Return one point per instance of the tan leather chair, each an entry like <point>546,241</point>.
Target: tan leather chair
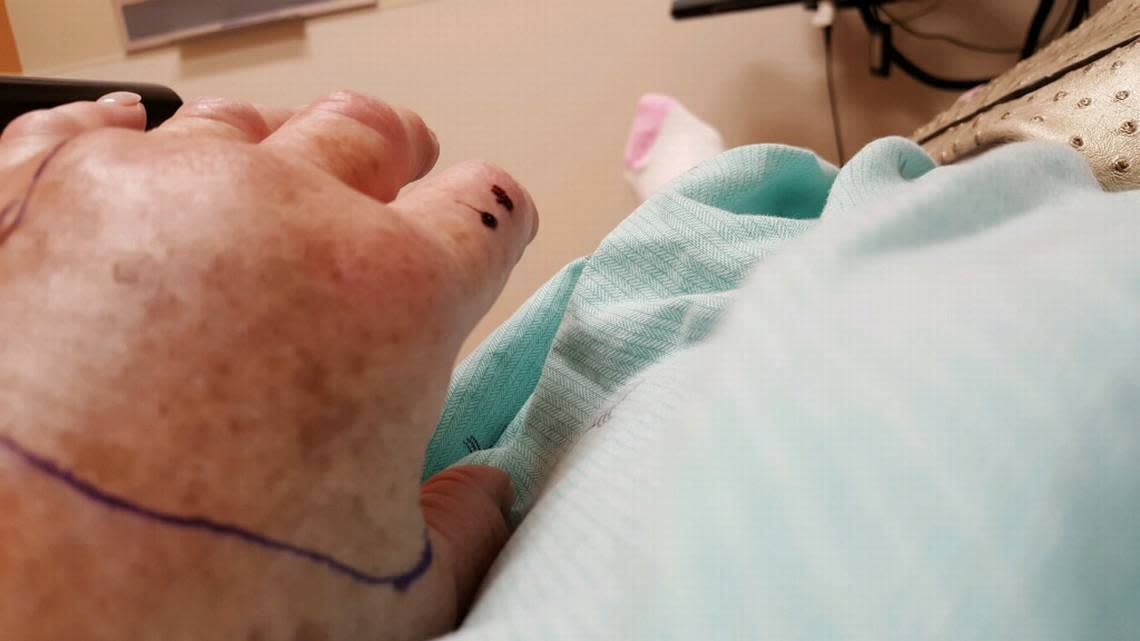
<point>1082,90</point>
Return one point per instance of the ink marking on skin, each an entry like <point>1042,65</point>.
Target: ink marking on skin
<point>6,231</point>
<point>4,212</point>
<point>502,197</point>
<point>400,582</point>
<point>487,217</point>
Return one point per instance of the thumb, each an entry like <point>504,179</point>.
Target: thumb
<point>464,508</point>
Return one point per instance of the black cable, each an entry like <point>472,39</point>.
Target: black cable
<point>831,96</point>
<point>904,24</point>
<point>882,30</point>
<point>1077,10</point>
<point>1072,8</point>
<point>930,8</point>
<point>1082,11</point>
<point>1044,8</point>
<point>938,82</point>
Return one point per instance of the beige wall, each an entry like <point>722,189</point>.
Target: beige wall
<point>544,87</point>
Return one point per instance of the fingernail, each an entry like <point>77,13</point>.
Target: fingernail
<point>122,98</point>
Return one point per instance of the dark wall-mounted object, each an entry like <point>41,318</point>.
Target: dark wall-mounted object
<point>697,8</point>
<point>149,23</point>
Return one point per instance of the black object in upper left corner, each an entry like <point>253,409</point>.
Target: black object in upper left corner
<point>19,95</point>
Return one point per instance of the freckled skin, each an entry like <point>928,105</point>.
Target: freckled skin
<point>235,334</point>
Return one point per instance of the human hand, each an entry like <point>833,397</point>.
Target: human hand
<point>224,345</point>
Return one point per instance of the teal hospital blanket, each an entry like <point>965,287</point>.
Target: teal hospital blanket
<point>893,402</point>
<point>656,284</point>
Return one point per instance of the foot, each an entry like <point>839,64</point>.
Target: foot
<point>664,142</point>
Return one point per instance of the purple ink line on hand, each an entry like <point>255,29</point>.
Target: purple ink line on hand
<point>5,232</point>
<point>4,213</point>
<point>400,582</point>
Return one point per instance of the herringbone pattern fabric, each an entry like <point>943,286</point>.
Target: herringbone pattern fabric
<point>658,283</point>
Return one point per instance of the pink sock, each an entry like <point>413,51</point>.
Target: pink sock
<point>665,141</point>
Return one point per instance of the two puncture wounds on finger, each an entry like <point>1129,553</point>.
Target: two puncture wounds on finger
<point>503,199</point>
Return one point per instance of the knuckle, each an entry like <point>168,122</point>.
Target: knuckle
<point>91,160</point>
<point>209,166</point>
<point>412,120</point>
<point>370,112</point>
<point>236,113</point>
<point>39,121</point>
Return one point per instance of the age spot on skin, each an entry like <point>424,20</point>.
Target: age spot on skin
<point>125,273</point>
<point>133,269</point>
<point>310,632</point>
<point>502,198</point>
